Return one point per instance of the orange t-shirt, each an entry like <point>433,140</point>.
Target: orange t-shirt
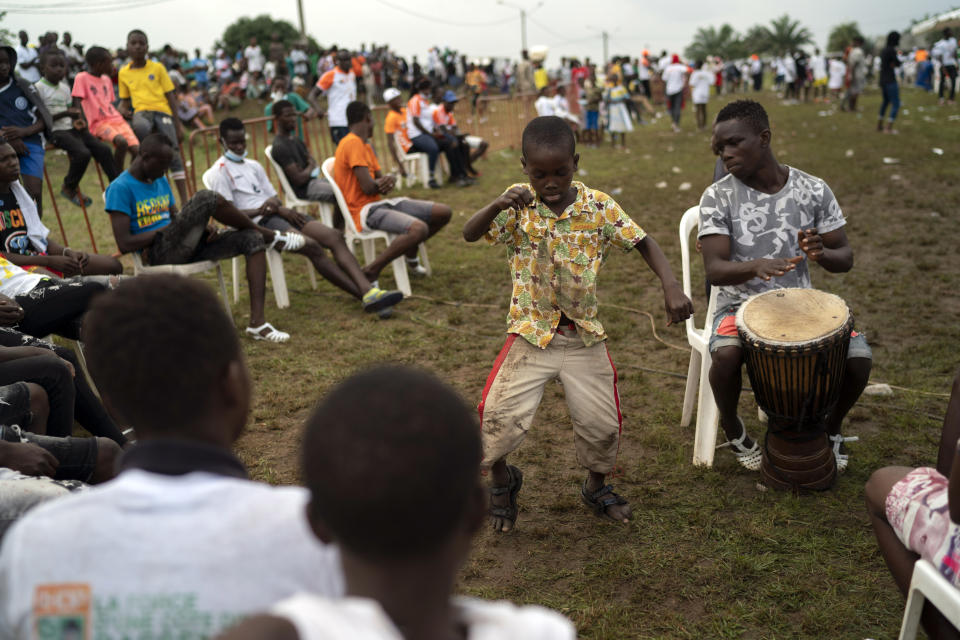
<point>442,116</point>
<point>357,63</point>
<point>354,152</point>
<point>396,125</point>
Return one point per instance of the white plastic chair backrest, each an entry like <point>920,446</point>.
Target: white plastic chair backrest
<point>288,191</point>
<point>327,169</point>
<point>689,222</point>
<point>208,177</point>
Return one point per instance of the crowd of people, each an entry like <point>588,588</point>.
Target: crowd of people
<point>340,555</point>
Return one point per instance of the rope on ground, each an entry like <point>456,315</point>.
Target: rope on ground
<point>453,303</point>
<point>653,324</point>
<point>926,393</point>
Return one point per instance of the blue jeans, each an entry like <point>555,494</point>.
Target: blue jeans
<point>891,96</point>
<point>428,145</point>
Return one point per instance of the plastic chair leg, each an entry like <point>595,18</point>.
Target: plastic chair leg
<point>278,278</point>
<point>312,274</point>
<point>424,171</point>
<point>326,213</point>
<point>425,259</point>
<point>235,264</point>
<point>369,251</point>
<point>693,383</point>
<point>928,584</point>
<point>708,418</point>
<point>401,276</point>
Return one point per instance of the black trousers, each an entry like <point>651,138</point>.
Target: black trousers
<point>57,306</point>
<point>80,147</point>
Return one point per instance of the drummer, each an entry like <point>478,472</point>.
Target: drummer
<point>760,228</point>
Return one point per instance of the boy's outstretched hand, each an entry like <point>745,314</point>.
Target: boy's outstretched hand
<point>516,198</point>
<point>678,305</point>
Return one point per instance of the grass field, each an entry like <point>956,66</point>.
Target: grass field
<point>708,554</point>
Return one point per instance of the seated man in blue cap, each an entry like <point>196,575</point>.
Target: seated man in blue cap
<point>470,148</point>
<point>444,132</point>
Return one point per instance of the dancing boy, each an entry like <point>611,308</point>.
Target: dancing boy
<point>760,227</point>
<point>558,232</point>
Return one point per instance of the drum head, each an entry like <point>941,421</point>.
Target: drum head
<point>788,316</point>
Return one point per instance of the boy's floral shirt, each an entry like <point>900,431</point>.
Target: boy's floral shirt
<point>555,261</point>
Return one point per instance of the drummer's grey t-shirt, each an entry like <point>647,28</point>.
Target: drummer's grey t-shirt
<point>764,225</point>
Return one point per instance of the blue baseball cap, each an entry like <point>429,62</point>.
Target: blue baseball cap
<point>450,96</point>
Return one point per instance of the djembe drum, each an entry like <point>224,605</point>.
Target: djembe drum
<point>795,348</point>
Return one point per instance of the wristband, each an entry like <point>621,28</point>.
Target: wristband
<point>315,172</point>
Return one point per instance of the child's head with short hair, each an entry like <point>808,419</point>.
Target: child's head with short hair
<point>357,113</point>
<point>749,111</point>
<point>159,347</point>
<point>549,157</point>
<point>54,65</point>
<point>99,61</point>
<point>392,458</point>
<point>137,45</point>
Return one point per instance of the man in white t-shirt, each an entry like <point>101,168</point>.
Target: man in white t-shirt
<point>818,66</point>
<point>946,51</point>
<point>28,63</point>
<point>254,56</point>
<point>404,536</point>
<point>675,78</point>
<point>340,86</point>
<point>181,543</point>
<point>700,82</point>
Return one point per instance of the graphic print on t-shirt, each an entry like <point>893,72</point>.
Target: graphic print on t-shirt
<point>13,228</point>
<point>62,612</point>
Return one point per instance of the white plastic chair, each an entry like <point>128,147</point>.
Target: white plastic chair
<point>416,164</point>
<point>368,237</point>
<point>928,584</point>
<point>698,372</point>
<point>274,264</point>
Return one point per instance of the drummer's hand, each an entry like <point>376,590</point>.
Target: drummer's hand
<point>811,243</point>
<point>767,268</point>
<point>678,305</point>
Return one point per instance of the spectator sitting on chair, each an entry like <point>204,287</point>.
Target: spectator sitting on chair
<point>144,218</point>
<point>22,119</point>
<point>420,127</point>
<point>69,130</point>
<point>340,86</point>
<point>244,183</point>
<point>915,514</point>
<point>24,239</point>
<point>93,93</point>
<point>166,358</point>
<point>395,126</point>
<point>444,118</point>
<point>357,173</point>
<point>447,141</point>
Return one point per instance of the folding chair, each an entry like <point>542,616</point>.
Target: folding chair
<point>274,264</point>
<point>368,237</point>
<point>928,584</point>
<point>698,372</point>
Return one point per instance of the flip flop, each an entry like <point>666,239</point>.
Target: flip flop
<point>77,198</point>
<point>512,488</point>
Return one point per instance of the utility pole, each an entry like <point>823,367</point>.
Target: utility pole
<point>606,42</point>
<point>303,29</point>
<point>523,29</point>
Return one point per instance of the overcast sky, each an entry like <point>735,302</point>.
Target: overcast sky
<point>566,26</point>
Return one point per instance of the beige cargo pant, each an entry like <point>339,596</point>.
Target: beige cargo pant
<point>515,387</point>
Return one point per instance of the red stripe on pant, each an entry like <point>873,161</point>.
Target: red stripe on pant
<point>493,374</point>
<point>616,397</point>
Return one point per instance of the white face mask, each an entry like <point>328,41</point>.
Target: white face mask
<point>230,155</point>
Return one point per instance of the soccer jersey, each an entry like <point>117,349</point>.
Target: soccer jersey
<point>245,184</point>
<point>419,109</point>
<point>96,95</point>
<point>340,89</point>
<point>146,87</point>
<point>17,110</point>
<point>354,152</point>
<point>15,281</point>
<point>146,204</point>
<point>56,97</point>
<point>443,117</point>
<point>765,225</point>
<point>396,125</point>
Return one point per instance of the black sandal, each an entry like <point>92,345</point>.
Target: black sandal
<point>601,500</point>
<point>512,489</point>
